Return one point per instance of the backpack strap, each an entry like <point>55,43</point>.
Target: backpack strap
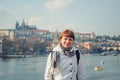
<point>77,56</point>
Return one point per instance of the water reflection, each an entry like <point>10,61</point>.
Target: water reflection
<point>33,68</point>
<point>111,67</point>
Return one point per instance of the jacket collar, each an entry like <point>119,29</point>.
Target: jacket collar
<point>69,52</point>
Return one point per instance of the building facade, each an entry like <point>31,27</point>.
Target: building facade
<point>7,34</point>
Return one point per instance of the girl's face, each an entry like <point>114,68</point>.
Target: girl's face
<point>66,42</point>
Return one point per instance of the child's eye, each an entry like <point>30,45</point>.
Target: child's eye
<point>65,38</point>
<point>70,39</point>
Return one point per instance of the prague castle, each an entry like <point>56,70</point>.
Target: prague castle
<point>24,26</point>
<point>25,30</point>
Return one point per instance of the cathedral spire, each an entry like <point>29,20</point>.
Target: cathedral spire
<point>23,23</point>
<point>17,25</point>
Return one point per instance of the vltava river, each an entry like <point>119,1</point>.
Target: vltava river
<point>34,68</point>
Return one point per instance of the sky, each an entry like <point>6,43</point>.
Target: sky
<point>83,16</point>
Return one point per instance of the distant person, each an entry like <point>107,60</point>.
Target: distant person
<point>65,62</point>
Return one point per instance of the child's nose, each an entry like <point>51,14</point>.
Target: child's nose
<point>68,40</point>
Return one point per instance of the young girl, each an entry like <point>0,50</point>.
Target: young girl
<point>66,67</point>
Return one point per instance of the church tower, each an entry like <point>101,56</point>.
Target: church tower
<point>17,25</point>
<point>23,23</point>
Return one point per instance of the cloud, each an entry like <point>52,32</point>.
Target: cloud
<point>36,20</point>
<point>4,12</point>
<point>57,4</point>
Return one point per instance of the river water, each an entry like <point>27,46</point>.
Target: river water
<point>34,68</point>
